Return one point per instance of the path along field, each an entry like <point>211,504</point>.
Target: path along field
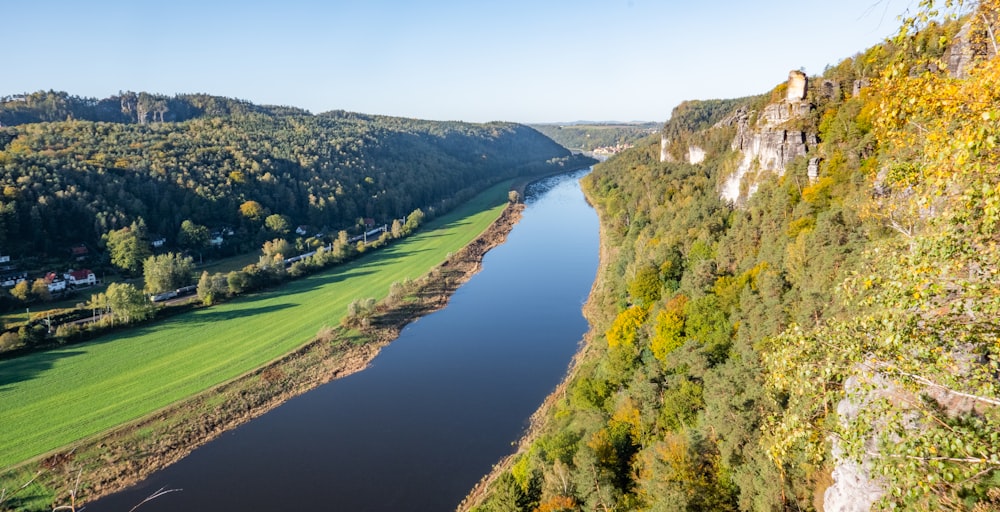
<point>51,399</point>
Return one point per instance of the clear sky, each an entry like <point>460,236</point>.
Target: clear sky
<point>471,60</point>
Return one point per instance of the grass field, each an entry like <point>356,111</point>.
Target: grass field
<point>51,399</point>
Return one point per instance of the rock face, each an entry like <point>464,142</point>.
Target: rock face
<point>858,85</point>
<point>813,170</point>
<point>696,155</point>
<point>664,154</point>
<point>797,82</point>
<point>853,490</point>
<point>767,146</point>
<point>960,54</point>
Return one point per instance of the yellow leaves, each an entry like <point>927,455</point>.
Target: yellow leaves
<point>625,327</point>
<point>801,225</point>
<point>557,504</point>
<point>627,413</point>
<point>669,330</point>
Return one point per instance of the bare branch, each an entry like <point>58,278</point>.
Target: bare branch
<point>927,382</point>
<point>966,460</point>
<point>989,30</point>
<point>151,497</point>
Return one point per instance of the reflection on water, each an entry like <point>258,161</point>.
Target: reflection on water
<point>438,407</point>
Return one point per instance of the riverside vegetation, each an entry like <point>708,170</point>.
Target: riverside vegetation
<point>739,355</point>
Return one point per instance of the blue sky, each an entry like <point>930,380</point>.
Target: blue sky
<point>475,60</point>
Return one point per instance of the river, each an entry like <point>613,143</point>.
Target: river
<point>437,407</point>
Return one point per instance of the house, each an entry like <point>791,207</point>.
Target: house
<point>302,230</point>
<point>158,241</point>
<point>368,222</point>
<point>83,277</point>
<point>216,239</point>
<point>9,278</point>
<point>79,252</point>
<point>55,283</point>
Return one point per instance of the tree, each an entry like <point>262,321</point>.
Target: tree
<point>192,236</point>
<point>129,246</point>
<point>237,282</point>
<point>21,291</point>
<point>626,326</point>
<point>40,290</point>
<point>127,303</point>
<point>212,287</point>
<point>276,249</point>
<point>646,286</point>
<point>413,221</point>
<point>167,272</point>
<point>397,228</point>
<point>669,330</point>
<point>277,223</point>
<point>252,210</point>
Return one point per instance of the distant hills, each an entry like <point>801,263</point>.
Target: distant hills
<point>590,136</point>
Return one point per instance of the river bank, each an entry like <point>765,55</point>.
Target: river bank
<point>115,460</point>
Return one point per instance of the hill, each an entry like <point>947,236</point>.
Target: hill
<point>227,165</point>
<point>597,136</point>
<point>798,297</point>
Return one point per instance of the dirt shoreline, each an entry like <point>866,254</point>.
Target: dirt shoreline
<point>116,460</point>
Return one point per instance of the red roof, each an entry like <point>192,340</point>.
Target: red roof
<point>79,250</point>
<point>80,275</point>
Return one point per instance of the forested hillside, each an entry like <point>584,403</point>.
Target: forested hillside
<point>74,169</point>
<point>832,330</point>
<point>588,137</point>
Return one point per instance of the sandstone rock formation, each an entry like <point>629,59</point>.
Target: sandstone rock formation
<point>858,85</point>
<point>696,155</point>
<point>767,146</point>
<point>812,171</point>
<point>797,82</point>
<point>664,153</point>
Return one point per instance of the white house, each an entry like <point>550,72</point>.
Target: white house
<point>81,277</point>
<point>54,283</point>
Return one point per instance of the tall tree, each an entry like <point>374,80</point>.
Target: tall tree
<point>127,303</point>
<point>129,246</point>
<point>192,236</point>
<point>167,272</point>
<point>278,223</point>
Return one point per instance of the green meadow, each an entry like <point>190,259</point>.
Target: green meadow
<point>54,398</point>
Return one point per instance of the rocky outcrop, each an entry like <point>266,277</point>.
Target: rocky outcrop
<point>797,82</point>
<point>853,489</point>
<point>768,144</point>
<point>664,149</point>
<point>858,85</point>
<point>976,40</point>
<point>812,170</point>
<point>696,155</point>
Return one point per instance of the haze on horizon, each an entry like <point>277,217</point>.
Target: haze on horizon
<point>517,60</point>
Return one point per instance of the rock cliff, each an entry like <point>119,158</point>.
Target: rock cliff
<point>768,143</point>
